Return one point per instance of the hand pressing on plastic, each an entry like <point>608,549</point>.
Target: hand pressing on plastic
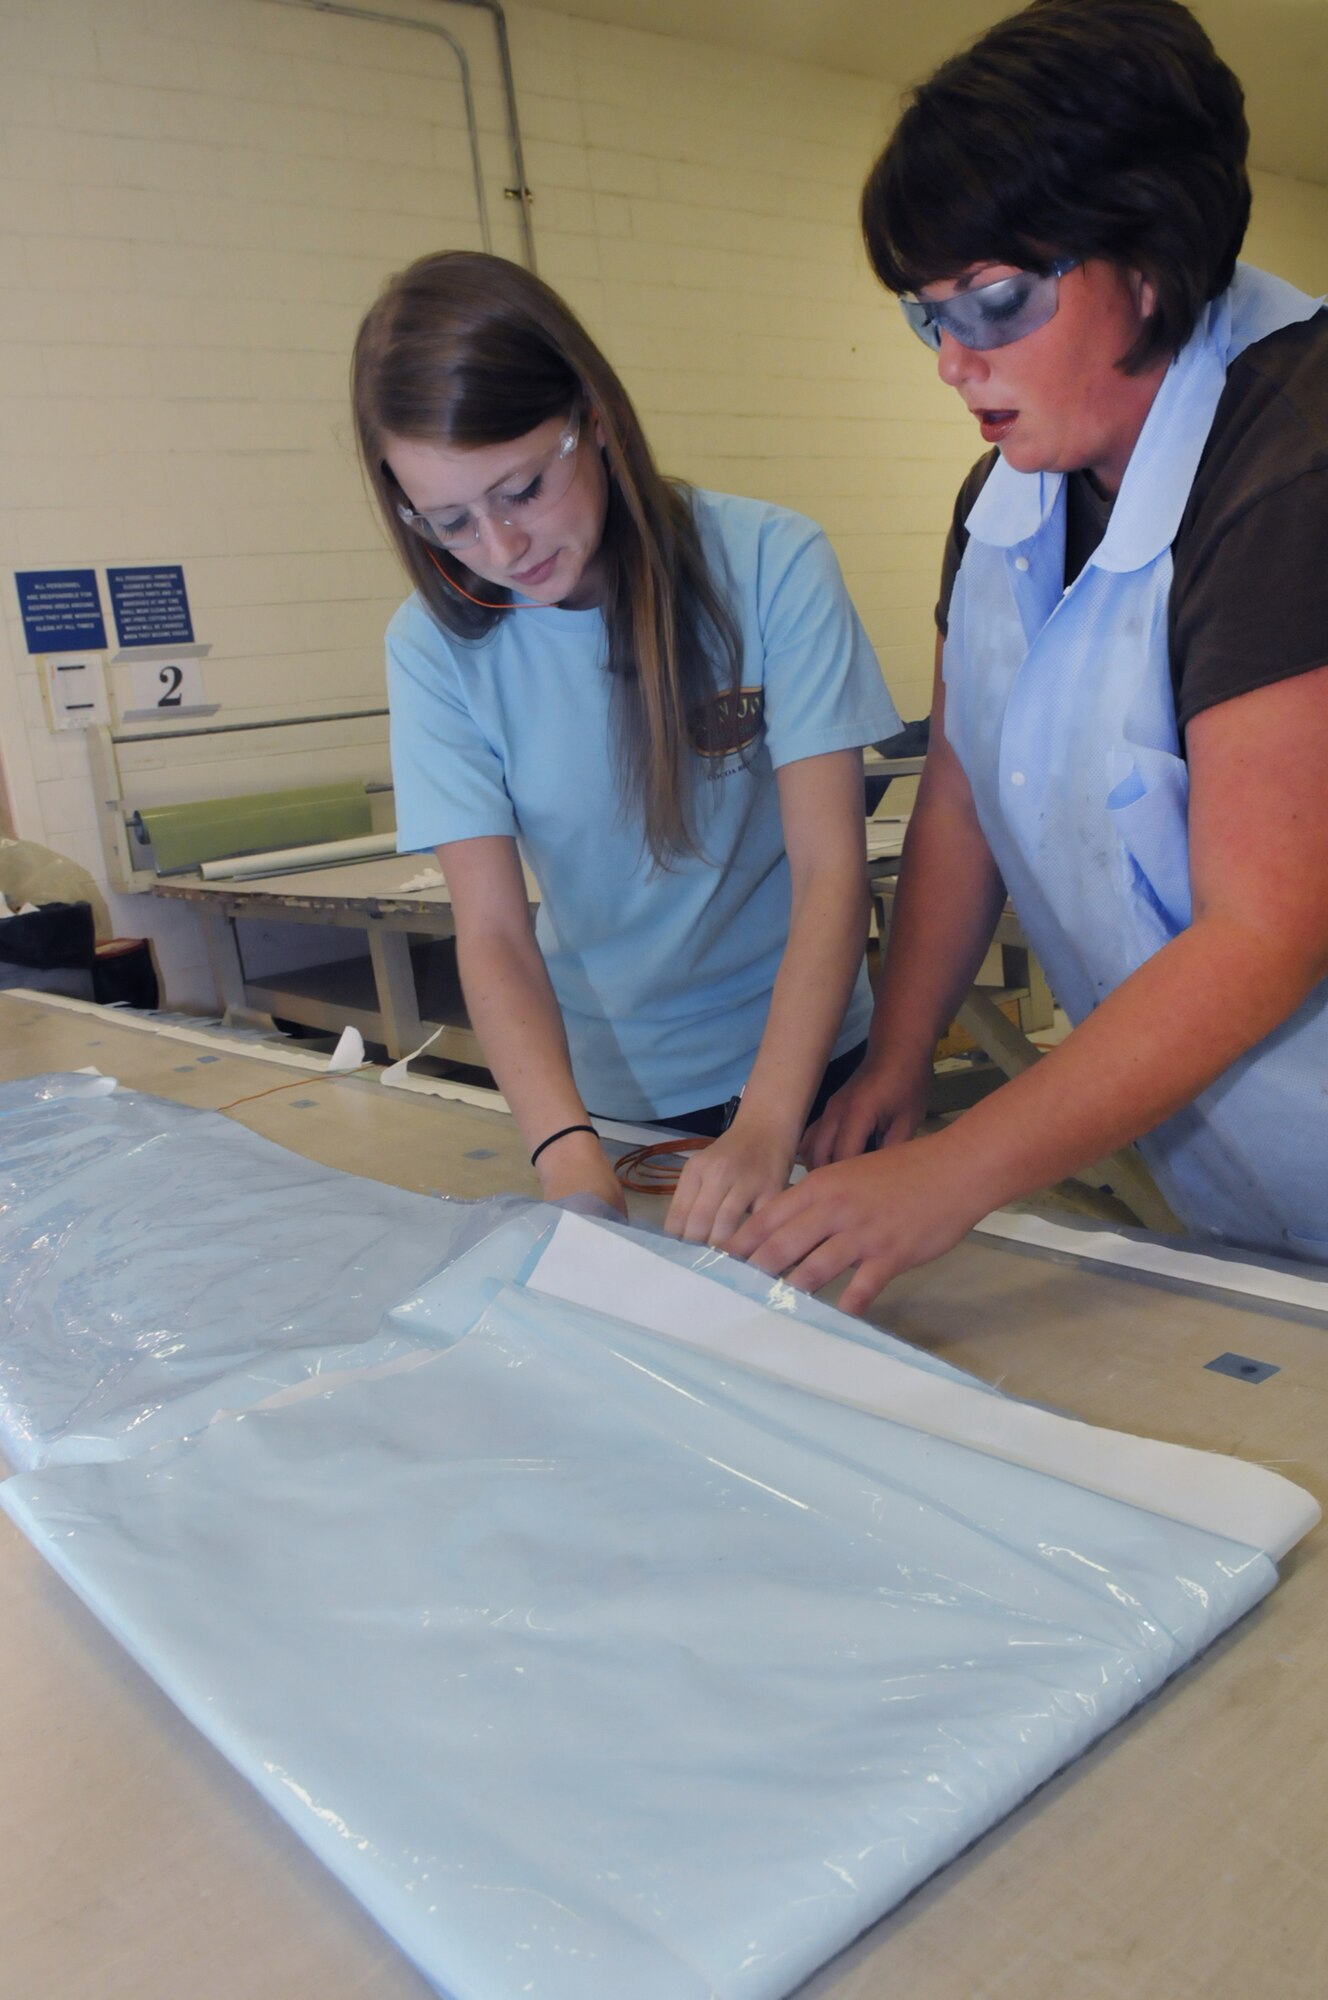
<point>876,1216</point>
<point>577,1165</point>
<point>881,1100</point>
<point>734,1176</point>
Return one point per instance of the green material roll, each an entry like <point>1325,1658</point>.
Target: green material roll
<point>182,836</point>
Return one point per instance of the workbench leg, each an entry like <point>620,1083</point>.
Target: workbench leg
<point>1021,973</point>
<point>1124,1172</point>
<point>394,980</point>
<point>227,968</point>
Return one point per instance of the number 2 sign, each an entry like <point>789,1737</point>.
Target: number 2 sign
<point>168,688</point>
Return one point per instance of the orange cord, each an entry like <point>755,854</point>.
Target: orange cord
<point>654,1169</point>
<point>315,1076</point>
<point>483,602</point>
<point>657,1169</point>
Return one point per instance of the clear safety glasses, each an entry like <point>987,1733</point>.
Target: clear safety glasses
<point>989,315</point>
<point>459,527</point>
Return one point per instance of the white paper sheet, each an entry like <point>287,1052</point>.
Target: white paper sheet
<point>596,1268</point>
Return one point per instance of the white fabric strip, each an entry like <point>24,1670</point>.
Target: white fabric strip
<point>1168,1260</point>
<point>293,1058</point>
<point>596,1268</point>
<point>215,1039</point>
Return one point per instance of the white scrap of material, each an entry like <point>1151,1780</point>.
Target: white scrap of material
<point>349,1051</point>
<point>394,1076</point>
<point>591,1267</point>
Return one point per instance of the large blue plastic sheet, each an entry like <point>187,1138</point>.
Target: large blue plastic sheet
<point>597,1667</point>
<point>158,1263</point>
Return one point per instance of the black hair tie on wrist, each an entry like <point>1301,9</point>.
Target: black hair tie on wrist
<point>555,1136</point>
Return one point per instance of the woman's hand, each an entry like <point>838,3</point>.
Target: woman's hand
<point>881,1100</point>
<point>577,1165</point>
<point>513,1011</point>
<point>734,1176</point>
<point>877,1216</point>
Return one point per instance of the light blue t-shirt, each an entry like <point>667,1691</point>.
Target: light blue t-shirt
<point>663,976</point>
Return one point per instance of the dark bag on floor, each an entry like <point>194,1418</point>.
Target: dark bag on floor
<point>56,935</point>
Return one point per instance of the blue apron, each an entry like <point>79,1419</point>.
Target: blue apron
<point>1059,706</point>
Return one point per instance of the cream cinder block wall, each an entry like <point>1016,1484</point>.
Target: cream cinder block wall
<point>199,197</point>
<point>1289,231</point>
<point>723,269</point>
<point>198,200</point>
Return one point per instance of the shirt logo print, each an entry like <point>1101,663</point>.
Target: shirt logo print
<point>727,724</point>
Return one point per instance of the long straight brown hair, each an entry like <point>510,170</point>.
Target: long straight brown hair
<point>463,349</point>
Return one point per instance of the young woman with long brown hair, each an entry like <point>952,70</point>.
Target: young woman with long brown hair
<point>661,695</point>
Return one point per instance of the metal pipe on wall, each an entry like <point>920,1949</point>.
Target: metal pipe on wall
<point>235,728</point>
<point>522,192</point>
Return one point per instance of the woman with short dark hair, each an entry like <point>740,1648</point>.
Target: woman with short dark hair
<point>1130,723</point>
<point>662,694</point>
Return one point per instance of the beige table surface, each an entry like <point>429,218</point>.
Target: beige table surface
<point>1179,1858</point>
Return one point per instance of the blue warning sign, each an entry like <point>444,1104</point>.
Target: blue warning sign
<point>151,606</point>
<point>61,610</point>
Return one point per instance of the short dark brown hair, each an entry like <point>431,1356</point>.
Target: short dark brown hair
<point>1081,128</point>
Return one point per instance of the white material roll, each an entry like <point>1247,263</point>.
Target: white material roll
<point>285,860</point>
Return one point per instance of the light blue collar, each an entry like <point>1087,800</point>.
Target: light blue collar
<point>1013,506</point>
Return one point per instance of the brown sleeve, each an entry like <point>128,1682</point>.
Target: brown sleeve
<point>1251,608</point>
<point>956,540</point>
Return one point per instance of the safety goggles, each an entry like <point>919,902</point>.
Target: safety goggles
<point>990,315</point>
<point>459,527</point>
